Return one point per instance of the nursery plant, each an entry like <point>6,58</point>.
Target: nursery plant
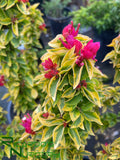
<point>102,15</point>
<point>59,128</point>
<point>21,25</point>
<point>54,8</point>
<point>57,14</point>
<point>112,151</point>
<point>73,86</point>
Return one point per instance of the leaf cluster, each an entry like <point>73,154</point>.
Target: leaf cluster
<point>19,28</point>
<point>55,8</point>
<point>102,15</point>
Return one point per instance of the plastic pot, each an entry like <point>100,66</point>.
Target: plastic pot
<point>10,115</point>
<point>105,38</point>
<point>57,24</point>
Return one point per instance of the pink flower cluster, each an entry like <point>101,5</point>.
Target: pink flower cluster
<point>49,66</point>
<point>69,33</point>
<point>2,80</point>
<point>42,27</point>
<point>87,52</point>
<point>26,123</point>
<point>24,1</point>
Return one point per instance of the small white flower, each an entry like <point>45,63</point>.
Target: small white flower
<point>24,118</point>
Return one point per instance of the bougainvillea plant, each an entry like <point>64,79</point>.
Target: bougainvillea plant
<point>112,151</point>
<point>74,94</point>
<point>19,42</point>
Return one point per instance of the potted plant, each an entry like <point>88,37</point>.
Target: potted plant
<point>21,27</point>
<point>58,14</point>
<point>104,17</point>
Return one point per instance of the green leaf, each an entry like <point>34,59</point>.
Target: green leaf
<point>78,122</point>
<point>63,82</point>
<point>68,56</point>
<point>109,56</point>
<point>63,154</point>
<point>70,78</point>
<point>3,3</point>
<point>47,133</point>
<point>5,96</point>
<point>49,122</point>
<point>85,153</point>
<point>93,117</point>
<point>89,64</point>
<point>91,94</point>
<point>24,109</point>
<point>114,156</point>
<point>2,14</point>
<point>52,88</point>
<point>9,36</point>
<point>29,80</point>
<point>10,4</point>
<point>74,135</point>
<point>15,28</point>
<point>61,104</point>
<point>5,21</point>
<point>77,71</point>
<point>67,65</point>
<point>21,60</point>
<point>69,93</point>
<point>74,114</point>
<point>14,92</point>
<point>57,135</point>
<point>88,126</point>
<point>75,100</point>
<point>34,93</point>
<point>7,151</point>
<point>15,42</point>
<point>68,107</point>
<point>76,157</point>
<point>117,76</point>
<point>22,8</point>
<point>58,98</point>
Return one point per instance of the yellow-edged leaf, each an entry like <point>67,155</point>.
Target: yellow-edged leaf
<point>89,64</point>
<point>93,117</point>
<point>69,93</point>
<point>3,3</point>
<point>5,96</point>
<point>109,56</point>
<point>34,93</point>
<point>68,55</point>
<point>63,154</point>
<point>74,135</point>
<point>56,43</point>
<point>88,126</point>
<point>77,71</point>
<point>74,114</point>
<point>57,135</point>
<point>7,151</point>
<point>47,133</point>
<point>10,4</point>
<point>22,7</point>
<point>67,65</point>
<point>78,122</point>
<point>91,94</point>
<point>63,82</point>
<point>24,135</point>
<point>15,28</point>
<point>49,123</point>
<point>52,88</point>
